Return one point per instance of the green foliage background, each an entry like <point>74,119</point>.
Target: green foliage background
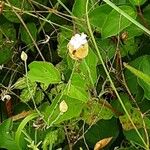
<point>106,94</point>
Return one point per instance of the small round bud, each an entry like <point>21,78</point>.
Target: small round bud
<point>63,107</point>
<point>24,56</point>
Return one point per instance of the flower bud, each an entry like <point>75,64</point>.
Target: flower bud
<point>24,56</point>
<point>63,107</point>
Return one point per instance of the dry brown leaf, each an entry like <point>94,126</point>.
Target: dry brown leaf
<point>102,143</point>
<point>22,115</point>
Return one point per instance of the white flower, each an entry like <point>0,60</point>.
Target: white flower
<point>78,40</point>
<point>63,107</point>
<point>78,46</point>
<point>24,56</point>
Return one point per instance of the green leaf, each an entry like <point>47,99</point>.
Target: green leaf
<point>137,119</point>
<point>131,79</point>
<point>139,74</point>
<point>28,93</point>
<point>6,140</point>
<point>7,30</point>
<point>132,136</point>
<point>88,67</point>
<point>21,83</point>
<point>6,52</point>
<point>116,23</point>
<point>79,8</point>
<point>144,76</point>
<point>117,106</point>
<point>96,110</point>
<point>78,93</point>
<point>99,15</point>
<point>53,137</point>
<point>38,97</point>
<point>25,37</point>
<point>63,38</point>
<point>22,126</point>
<point>74,109</point>
<point>130,47</point>
<point>102,130</point>
<point>7,40</point>
<point>137,2</point>
<point>43,72</point>
<point>133,31</point>
<point>78,80</point>
<point>146,13</point>
<point>23,5</point>
<point>107,48</point>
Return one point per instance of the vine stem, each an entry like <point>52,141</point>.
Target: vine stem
<point>67,87</point>
<point>26,28</point>
<point>35,16</point>
<point>89,72</point>
<point>107,73</point>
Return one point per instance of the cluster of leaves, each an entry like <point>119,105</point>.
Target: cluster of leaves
<point>107,103</point>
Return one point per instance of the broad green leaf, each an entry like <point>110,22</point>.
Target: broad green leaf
<point>117,106</point>
<point>133,31</point>
<point>38,97</point>
<point>23,5</point>
<point>6,52</point>
<point>88,67</point>
<point>137,2</point>
<point>137,119</point>
<point>146,13</point>
<point>28,93</point>
<point>22,125</point>
<point>131,79</point>
<point>8,31</point>
<point>21,83</point>
<point>139,74</point>
<point>79,8</point>
<point>7,40</point>
<point>43,72</point>
<point>131,43</point>
<point>115,22</point>
<point>96,110</point>
<point>129,47</point>
<point>78,80</point>
<point>63,38</point>
<point>25,37</point>
<point>78,93</point>
<point>99,15</point>
<point>74,109</point>
<point>6,139</point>
<point>107,48</point>
<point>102,129</point>
<point>144,76</point>
<point>53,138</point>
<point>132,136</point>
